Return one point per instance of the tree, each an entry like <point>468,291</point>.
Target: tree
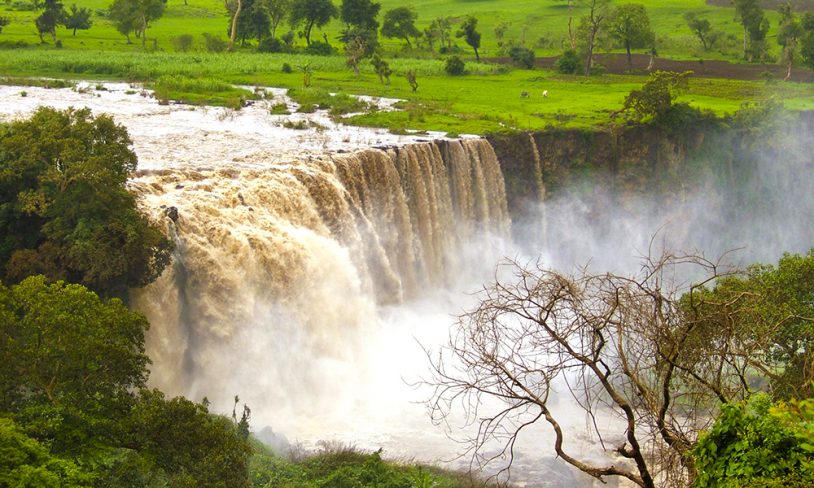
<point>78,18</point>
<point>277,9</point>
<point>657,95</point>
<point>755,26</point>
<point>382,68</point>
<point>441,29</point>
<point>470,34</point>
<point>311,13</point>
<point>788,36</point>
<point>590,28</point>
<point>360,14</point>
<point>807,40</point>
<point>66,212</point>
<point>253,20</point>
<point>70,361</point>
<point>629,25</point>
<point>53,15</point>
<point>399,23</point>
<point>702,30</point>
<point>771,295</point>
<point>632,348</point>
<point>412,79</point>
<point>136,16</point>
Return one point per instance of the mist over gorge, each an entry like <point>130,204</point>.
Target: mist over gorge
<point>306,282</point>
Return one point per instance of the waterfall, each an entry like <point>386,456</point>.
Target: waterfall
<point>279,272</point>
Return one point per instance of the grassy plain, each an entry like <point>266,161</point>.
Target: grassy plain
<point>487,99</point>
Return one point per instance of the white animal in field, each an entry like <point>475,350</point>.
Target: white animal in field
<point>545,93</point>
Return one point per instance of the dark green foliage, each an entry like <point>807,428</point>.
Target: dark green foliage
<point>4,21</point>
<point>522,57</point>
<point>271,45</point>
<point>807,40</point>
<point>569,63</point>
<point>52,16</point>
<point>360,14</point>
<point>657,95</point>
<point>469,31</point>
<point>286,68</point>
<point>775,303</point>
<point>454,66</point>
<point>629,26</point>
<point>399,23</point>
<point>78,18</point>
<point>70,361</point>
<point>411,79</point>
<point>254,21</point>
<point>382,68</point>
<point>702,29</point>
<point>214,44</point>
<point>310,13</point>
<point>755,27</point>
<point>320,48</point>
<point>64,208</point>
<point>182,43</point>
<point>756,444</point>
<point>135,16</point>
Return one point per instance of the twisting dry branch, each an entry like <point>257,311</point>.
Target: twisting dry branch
<point>633,347</point>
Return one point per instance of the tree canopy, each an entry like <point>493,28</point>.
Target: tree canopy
<point>629,25</point>
<point>64,209</point>
<point>310,13</point>
<point>136,16</point>
<point>399,23</point>
<point>469,31</point>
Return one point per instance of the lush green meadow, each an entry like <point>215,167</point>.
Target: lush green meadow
<point>539,24</point>
<point>487,98</point>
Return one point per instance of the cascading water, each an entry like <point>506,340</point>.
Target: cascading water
<point>280,273</point>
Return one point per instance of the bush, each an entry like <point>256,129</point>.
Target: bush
<point>522,57</point>
<point>455,66</point>
<point>214,44</point>
<point>569,63</point>
<point>271,45</point>
<point>182,43</point>
<point>319,48</point>
<point>287,68</point>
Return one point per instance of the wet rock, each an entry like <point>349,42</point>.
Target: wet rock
<point>172,213</point>
<point>179,186</point>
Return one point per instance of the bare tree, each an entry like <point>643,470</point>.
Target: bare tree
<point>631,347</point>
<point>590,26</point>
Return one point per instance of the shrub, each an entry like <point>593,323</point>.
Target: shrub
<point>214,44</point>
<point>182,43</point>
<point>455,66</point>
<point>522,57</point>
<point>271,45</point>
<point>319,48</point>
<point>569,63</point>
<point>287,68</point>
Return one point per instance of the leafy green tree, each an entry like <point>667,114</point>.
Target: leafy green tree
<point>399,23</point>
<point>69,361</point>
<point>310,13</point>
<point>788,36</point>
<point>590,28</point>
<point>657,95</point>
<point>64,209</point>
<point>136,16</point>
<point>754,443</point>
<point>469,31</point>
<point>441,29</point>
<point>253,21</point>
<point>184,440</point>
<point>755,27</point>
<point>776,303</point>
<point>277,9</point>
<point>522,57</point>
<point>27,463</point>
<point>78,18</point>
<point>382,68</point>
<point>807,40</point>
<point>360,14</point>
<point>52,16</point>
<point>629,25</point>
<point>702,30</point>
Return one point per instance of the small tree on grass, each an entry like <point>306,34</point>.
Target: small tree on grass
<point>790,32</point>
<point>455,66</point>
<point>399,23</point>
<point>657,95</point>
<point>382,68</point>
<point>469,31</point>
<point>629,25</point>
<point>411,79</point>
<point>310,14</point>
<point>702,30</point>
<point>52,16</point>
<point>78,18</point>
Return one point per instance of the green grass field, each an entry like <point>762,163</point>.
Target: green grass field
<point>487,99</point>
